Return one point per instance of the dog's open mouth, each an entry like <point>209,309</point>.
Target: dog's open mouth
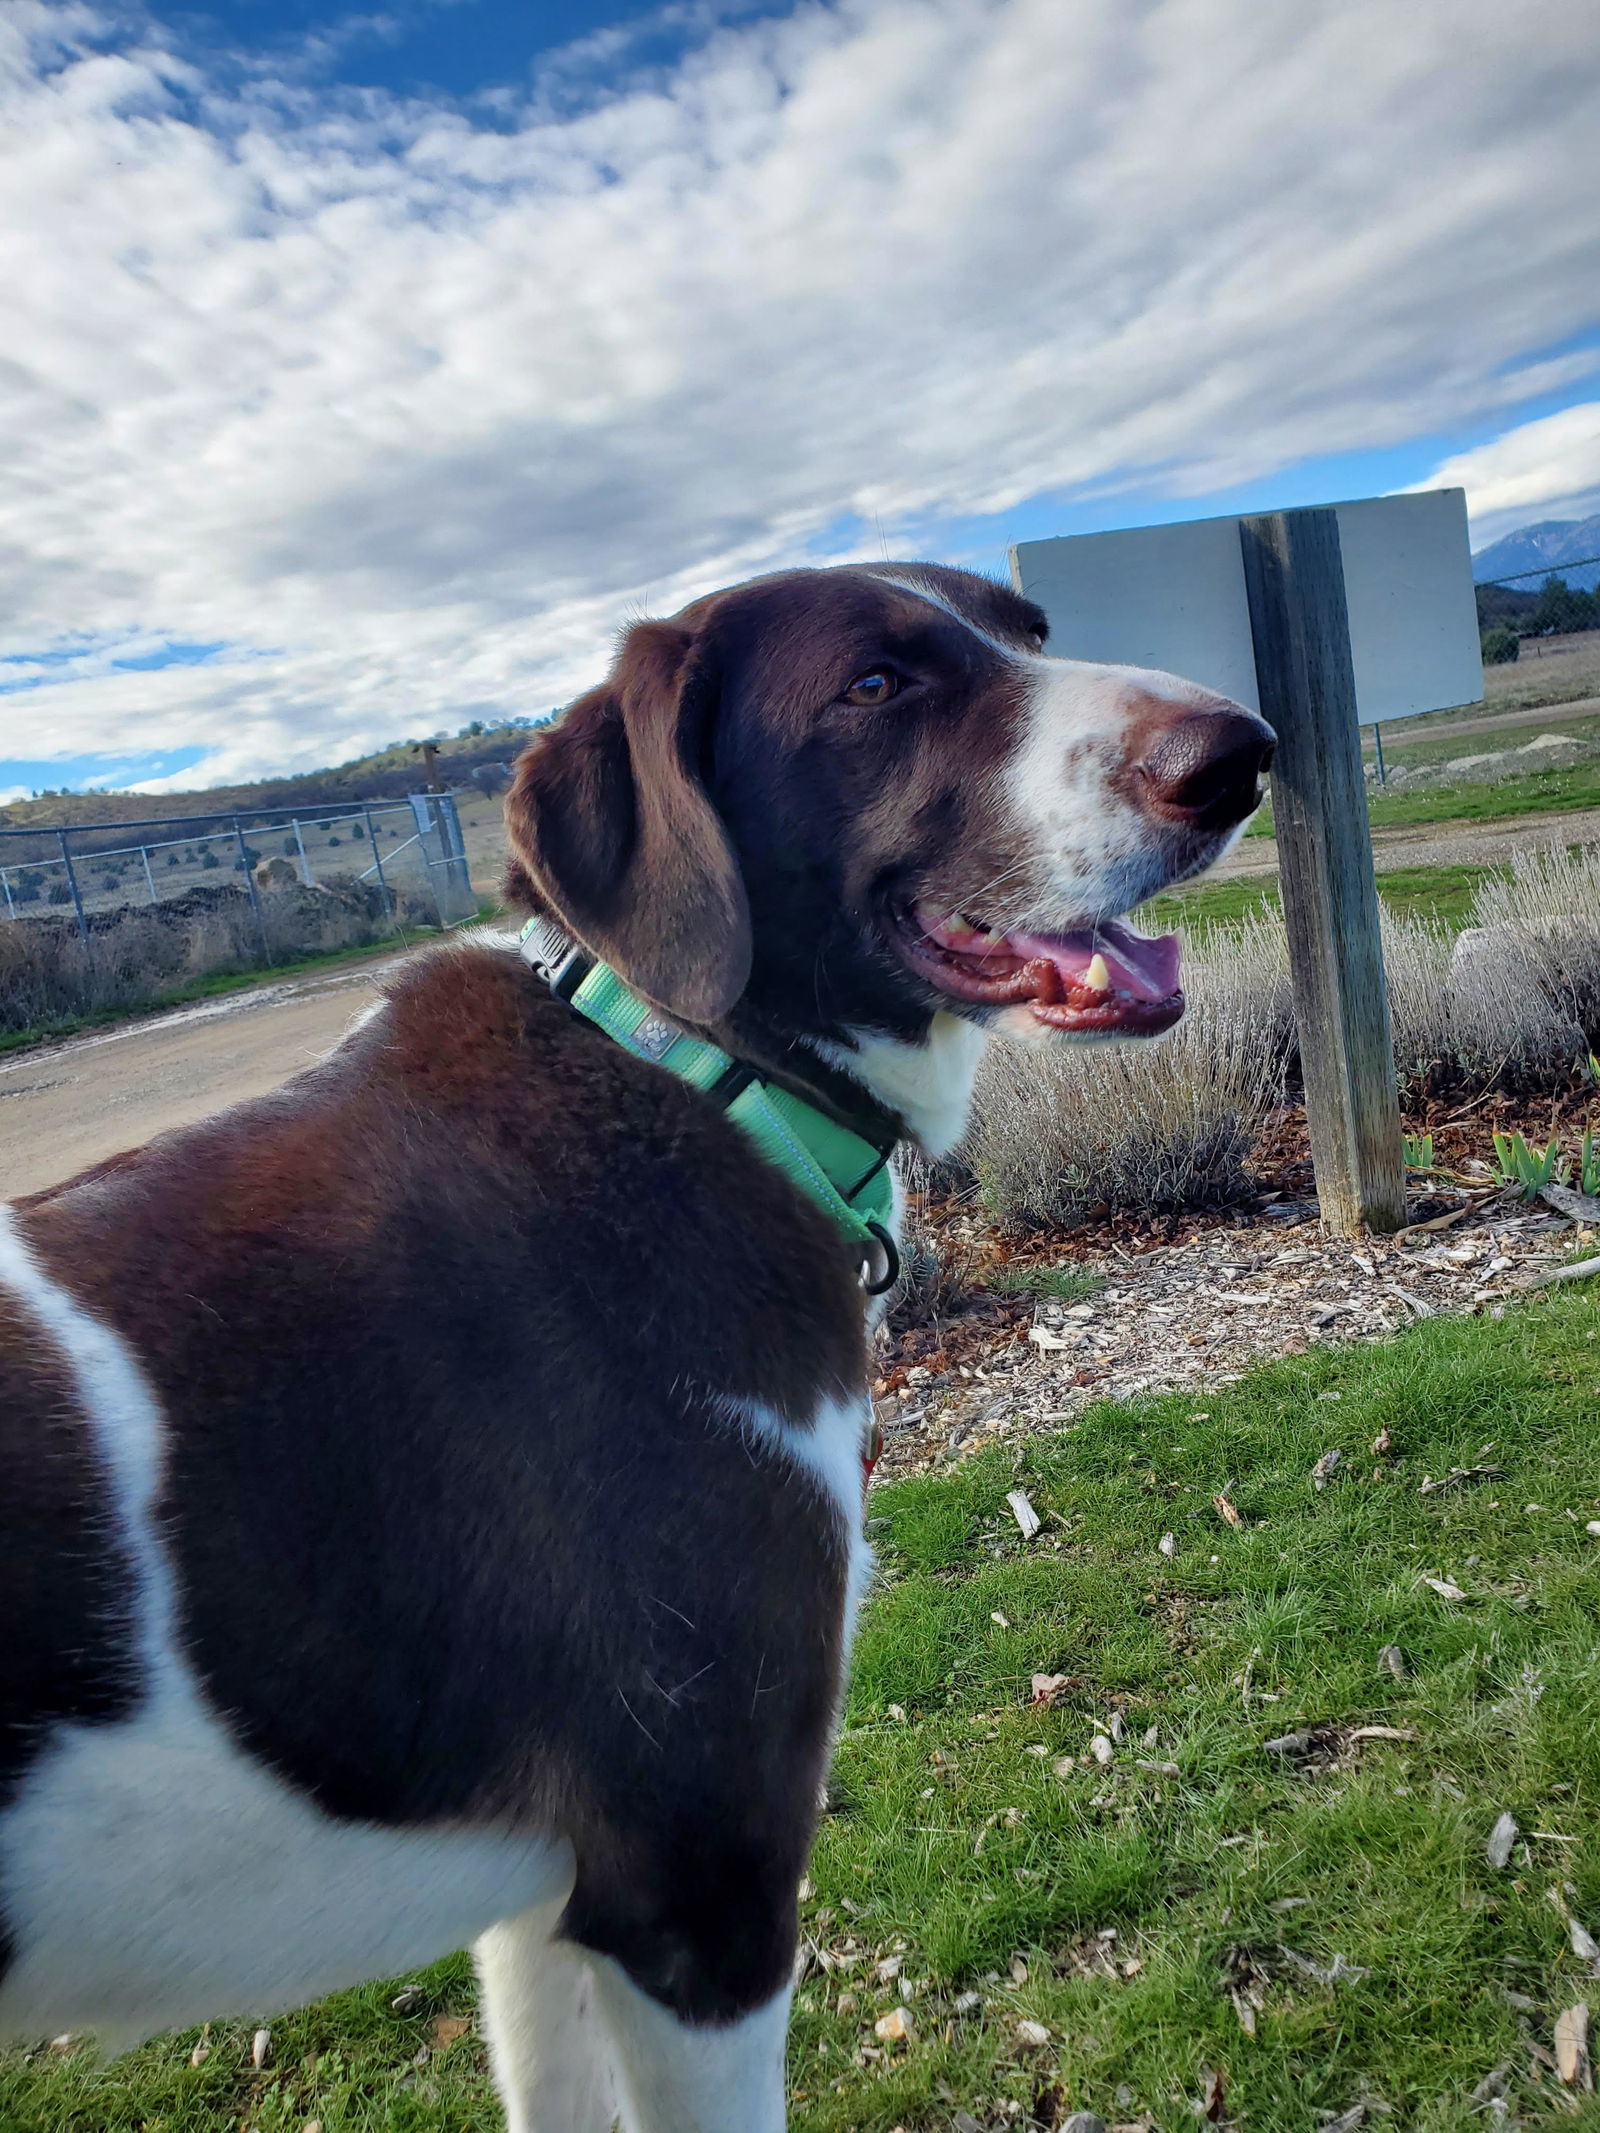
<point>1095,980</point>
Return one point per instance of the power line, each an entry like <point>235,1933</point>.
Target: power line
<point>1541,570</point>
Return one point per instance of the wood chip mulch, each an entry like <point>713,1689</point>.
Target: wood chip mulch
<point>1186,1305</point>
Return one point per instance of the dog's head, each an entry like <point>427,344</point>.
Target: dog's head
<point>834,804</point>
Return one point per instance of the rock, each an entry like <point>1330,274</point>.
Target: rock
<point>1082,2122</point>
<point>1032,2036</point>
<point>896,2027</point>
<point>261,2047</point>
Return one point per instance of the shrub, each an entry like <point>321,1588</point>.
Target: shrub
<point>1500,647</point>
<point>1543,918</point>
<point>137,955</point>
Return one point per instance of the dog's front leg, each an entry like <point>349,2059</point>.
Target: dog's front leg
<point>675,2077</point>
<point>548,2045</point>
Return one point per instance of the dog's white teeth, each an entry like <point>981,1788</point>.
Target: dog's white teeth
<point>1097,977</point>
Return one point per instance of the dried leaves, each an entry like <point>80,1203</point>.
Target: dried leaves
<point>1446,1588</point>
<point>1048,1689</point>
<point>1501,1838</point>
<point>1572,2047</point>
<point>1325,1468</point>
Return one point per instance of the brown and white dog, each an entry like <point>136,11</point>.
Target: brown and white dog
<point>430,1495</point>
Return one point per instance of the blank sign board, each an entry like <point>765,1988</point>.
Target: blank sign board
<point>1174,597</point>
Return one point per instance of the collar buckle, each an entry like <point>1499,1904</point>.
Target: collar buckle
<point>559,961</point>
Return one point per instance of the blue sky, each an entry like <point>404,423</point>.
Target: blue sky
<point>463,49</point>
<point>367,368</point>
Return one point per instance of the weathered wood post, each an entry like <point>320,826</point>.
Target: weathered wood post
<point>1301,631</point>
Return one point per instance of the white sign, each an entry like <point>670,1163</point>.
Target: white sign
<point>1174,597</point>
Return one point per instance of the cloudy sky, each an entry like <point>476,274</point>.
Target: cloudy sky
<point>360,372</point>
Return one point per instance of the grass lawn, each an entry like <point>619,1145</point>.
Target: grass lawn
<point>1317,1928</point>
<point>1542,792</point>
<point>1402,753</point>
<point>1417,892</point>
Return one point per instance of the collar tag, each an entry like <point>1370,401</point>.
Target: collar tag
<point>654,1038</point>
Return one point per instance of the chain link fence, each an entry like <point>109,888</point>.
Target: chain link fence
<point>120,913</point>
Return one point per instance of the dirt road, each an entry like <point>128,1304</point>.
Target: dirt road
<point>71,1104</point>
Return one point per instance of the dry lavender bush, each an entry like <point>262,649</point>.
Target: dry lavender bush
<point>139,956</point>
<point>1511,1003</point>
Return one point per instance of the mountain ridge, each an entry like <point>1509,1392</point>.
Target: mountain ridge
<point>1546,546</point>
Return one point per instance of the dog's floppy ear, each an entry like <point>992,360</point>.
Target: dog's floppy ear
<point>610,821</point>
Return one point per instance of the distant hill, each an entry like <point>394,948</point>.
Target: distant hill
<point>464,759</point>
<point>1547,546</point>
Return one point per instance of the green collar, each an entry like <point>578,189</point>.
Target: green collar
<point>845,1173</point>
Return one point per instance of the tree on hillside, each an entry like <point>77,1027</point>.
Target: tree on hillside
<point>1562,607</point>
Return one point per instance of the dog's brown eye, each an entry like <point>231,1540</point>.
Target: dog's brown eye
<point>874,688</point>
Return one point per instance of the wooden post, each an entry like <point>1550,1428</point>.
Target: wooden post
<point>1301,631</point>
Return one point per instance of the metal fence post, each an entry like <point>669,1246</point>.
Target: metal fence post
<point>377,866</point>
<point>72,884</point>
<point>1377,742</point>
<point>457,873</point>
<point>144,854</point>
<point>250,884</point>
<point>305,863</point>
<point>5,883</point>
<point>1294,576</point>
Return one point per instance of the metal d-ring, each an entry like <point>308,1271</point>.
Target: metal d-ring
<point>891,1262</point>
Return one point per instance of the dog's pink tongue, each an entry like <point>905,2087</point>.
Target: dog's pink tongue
<point>1140,969</point>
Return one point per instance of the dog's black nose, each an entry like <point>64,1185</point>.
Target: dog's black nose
<point>1207,766</point>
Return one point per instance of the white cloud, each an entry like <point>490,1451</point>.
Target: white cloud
<point>1544,469</point>
<point>410,412</point>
